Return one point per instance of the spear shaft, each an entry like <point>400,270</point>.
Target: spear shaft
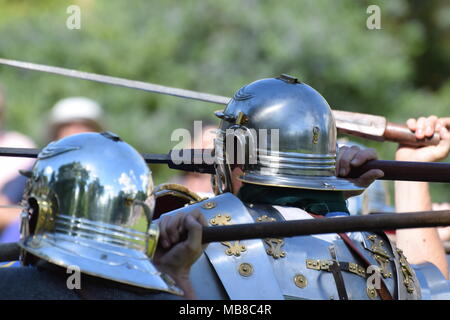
<point>371,222</point>
<point>368,126</point>
<point>393,170</point>
<point>283,229</point>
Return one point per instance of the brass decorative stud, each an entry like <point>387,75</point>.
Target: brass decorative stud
<point>371,293</point>
<point>380,255</point>
<point>275,246</point>
<point>241,118</point>
<point>408,275</point>
<point>209,205</point>
<point>234,249</point>
<point>221,220</point>
<point>245,269</point>
<point>300,281</point>
<point>265,218</point>
<point>316,132</point>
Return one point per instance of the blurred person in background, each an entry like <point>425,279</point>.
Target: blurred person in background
<point>75,115</point>
<point>424,244</point>
<point>10,193</point>
<point>188,187</point>
<point>200,183</point>
<point>68,116</point>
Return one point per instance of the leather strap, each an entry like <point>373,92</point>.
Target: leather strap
<point>337,275</point>
<point>383,292</point>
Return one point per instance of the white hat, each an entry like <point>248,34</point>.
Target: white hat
<point>76,108</point>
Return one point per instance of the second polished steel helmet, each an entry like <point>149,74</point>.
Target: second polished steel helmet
<point>90,204</point>
<point>287,134</point>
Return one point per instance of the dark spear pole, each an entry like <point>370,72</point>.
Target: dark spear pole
<point>373,222</point>
<point>393,170</point>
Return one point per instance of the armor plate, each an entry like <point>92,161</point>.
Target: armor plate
<point>296,267</point>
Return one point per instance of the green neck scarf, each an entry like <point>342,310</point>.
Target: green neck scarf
<point>312,201</point>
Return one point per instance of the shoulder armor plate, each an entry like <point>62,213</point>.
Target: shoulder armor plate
<point>295,267</point>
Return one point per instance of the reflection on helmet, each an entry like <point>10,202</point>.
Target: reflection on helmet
<point>90,205</point>
<point>287,129</point>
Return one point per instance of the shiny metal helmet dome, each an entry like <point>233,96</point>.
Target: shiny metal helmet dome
<point>286,133</point>
<point>90,204</point>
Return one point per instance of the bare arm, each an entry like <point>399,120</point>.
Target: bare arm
<point>421,245</point>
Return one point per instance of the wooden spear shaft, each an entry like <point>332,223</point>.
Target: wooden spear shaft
<point>406,170</point>
<point>372,222</point>
<point>393,170</point>
<point>359,124</point>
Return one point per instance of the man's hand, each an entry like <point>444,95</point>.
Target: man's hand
<point>179,246</point>
<point>425,128</point>
<point>349,157</point>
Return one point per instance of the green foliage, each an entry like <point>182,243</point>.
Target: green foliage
<point>217,46</point>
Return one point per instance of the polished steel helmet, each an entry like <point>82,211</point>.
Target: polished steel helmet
<point>89,204</point>
<point>283,133</point>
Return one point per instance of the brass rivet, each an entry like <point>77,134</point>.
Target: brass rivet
<point>371,293</point>
<point>300,281</point>
<point>220,220</point>
<point>241,118</point>
<point>209,205</point>
<point>316,132</point>
<point>245,269</point>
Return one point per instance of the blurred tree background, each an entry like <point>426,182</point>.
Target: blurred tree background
<point>216,46</point>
